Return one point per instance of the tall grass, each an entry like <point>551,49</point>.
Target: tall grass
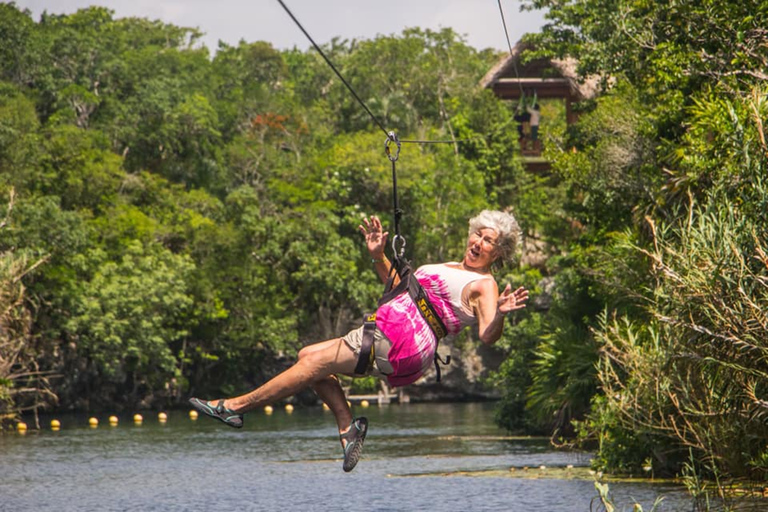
<point>22,385</point>
<point>690,381</point>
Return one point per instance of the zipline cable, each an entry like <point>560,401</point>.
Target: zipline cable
<point>352,91</point>
<point>328,61</point>
<point>398,238</point>
<point>506,32</point>
<point>509,44</point>
<point>398,241</point>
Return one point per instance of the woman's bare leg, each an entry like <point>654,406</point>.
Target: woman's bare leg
<point>329,390</point>
<point>315,366</point>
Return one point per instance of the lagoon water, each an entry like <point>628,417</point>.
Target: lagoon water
<point>417,457</point>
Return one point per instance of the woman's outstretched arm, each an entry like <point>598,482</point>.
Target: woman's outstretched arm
<point>376,240</point>
<point>491,307</point>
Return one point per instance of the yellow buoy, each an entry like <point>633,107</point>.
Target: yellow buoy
<point>289,408</point>
<point>55,424</point>
<point>193,414</point>
<point>113,421</point>
<point>21,427</point>
<point>365,403</point>
<point>349,404</point>
<point>325,407</point>
<point>163,417</point>
<point>138,418</point>
<point>268,409</point>
<point>93,422</point>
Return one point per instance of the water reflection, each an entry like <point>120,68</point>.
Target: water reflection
<point>290,462</point>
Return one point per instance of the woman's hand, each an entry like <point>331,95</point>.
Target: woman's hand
<point>375,237</point>
<point>491,307</point>
<point>512,301</point>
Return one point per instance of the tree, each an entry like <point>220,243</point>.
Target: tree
<point>663,194</point>
<point>199,213</point>
<point>127,316</point>
<point>18,56</point>
<point>20,151</point>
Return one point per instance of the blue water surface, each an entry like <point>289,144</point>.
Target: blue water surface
<point>293,462</point>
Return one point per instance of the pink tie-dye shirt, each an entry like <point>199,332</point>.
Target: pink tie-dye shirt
<point>413,342</point>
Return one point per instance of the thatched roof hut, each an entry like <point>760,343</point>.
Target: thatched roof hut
<point>547,78</point>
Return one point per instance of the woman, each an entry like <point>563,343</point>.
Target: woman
<point>461,293</point>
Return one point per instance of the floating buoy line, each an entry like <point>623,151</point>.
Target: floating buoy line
<point>162,418</point>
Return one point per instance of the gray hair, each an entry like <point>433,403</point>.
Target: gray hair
<point>505,226</point>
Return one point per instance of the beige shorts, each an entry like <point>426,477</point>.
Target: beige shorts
<point>381,345</point>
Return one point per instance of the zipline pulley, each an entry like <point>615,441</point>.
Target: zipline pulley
<point>398,242</point>
<point>392,137</point>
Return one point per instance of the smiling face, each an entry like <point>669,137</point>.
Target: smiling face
<point>481,249</point>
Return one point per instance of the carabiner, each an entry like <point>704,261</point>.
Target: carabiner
<point>401,251</point>
<point>392,137</point>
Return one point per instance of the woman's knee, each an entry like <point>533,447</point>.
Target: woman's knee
<point>312,350</point>
<point>328,357</point>
<point>304,352</point>
<point>313,355</point>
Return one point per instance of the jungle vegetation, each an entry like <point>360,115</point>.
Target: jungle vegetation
<point>181,220</point>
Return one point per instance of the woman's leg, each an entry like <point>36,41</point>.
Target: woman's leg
<point>315,366</point>
<point>329,391</point>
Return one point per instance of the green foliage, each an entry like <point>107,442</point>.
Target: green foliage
<point>663,180</point>
<point>79,168</point>
<point>696,378</point>
<point>22,383</point>
<point>19,137</point>
<point>667,50</point>
<point>610,165</point>
<point>199,212</point>
<point>19,52</point>
<point>364,386</point>
<point>17,366</point>
<point>128,315</point>
<point>514,376</point>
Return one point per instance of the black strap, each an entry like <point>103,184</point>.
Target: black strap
<point>367,352</point>
<point>427,310</point>
<point>365,359</point>
<point>438,361</point>
<point>403,270</point>
<point>398,269</point>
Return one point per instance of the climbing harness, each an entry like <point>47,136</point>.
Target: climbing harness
<point>401,269</point>
<point>409,283</point>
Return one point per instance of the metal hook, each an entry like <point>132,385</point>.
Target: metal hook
<point>392,137</point>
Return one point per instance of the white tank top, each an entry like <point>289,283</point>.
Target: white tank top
<point>455,279</point>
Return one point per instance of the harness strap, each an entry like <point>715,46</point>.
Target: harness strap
<point>367,351</point>
<point>391,291</point>
<point>427,310</point>
<point>438,361</point>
